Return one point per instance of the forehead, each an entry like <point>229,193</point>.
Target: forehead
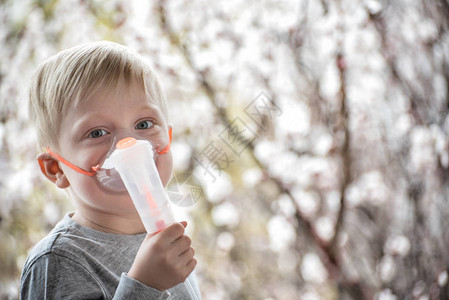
<point>144,87</point>
<point>110,88</point>
<point>123,97</point>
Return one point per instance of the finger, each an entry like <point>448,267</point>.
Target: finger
<point>174,231</point>
<point>188,254</point>
<point>182,243</point>
<point>186,258</point>
<point>190,266</point>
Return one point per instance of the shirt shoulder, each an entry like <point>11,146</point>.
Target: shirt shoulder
<point>54,271</point>
<point>44,247</point>
<point>72,257</point>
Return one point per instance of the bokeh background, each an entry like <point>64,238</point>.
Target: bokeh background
<point>310,138</point>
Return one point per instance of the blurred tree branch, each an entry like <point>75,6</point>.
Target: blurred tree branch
<point>328,250</point>
<point>222,114</point>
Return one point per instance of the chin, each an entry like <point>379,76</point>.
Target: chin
<point>123,205</point>
<point>114,204</point>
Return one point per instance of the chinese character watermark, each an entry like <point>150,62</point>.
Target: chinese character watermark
<point>261,109</point>
<point>237,136</point>
<point>213,160</point>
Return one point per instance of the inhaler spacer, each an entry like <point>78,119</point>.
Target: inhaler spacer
<point>133,160</point>
<point>106,175</point>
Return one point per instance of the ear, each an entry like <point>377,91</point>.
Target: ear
<point>50,168</point>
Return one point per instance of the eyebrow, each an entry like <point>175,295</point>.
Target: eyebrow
<point>154,108</point>
<point>89,120</point>
<point>86,122</point>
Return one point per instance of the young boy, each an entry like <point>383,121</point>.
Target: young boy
<point>82,101</point>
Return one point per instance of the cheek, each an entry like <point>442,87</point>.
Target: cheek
<point>87,191</point>
<point>164,165</point>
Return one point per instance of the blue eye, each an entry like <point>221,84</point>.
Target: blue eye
<point>97,133</point>
<point>144,125</point>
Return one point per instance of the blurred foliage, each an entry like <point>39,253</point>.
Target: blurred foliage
<point>314,134</point>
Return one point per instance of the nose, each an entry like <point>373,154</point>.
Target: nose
<point>123,134</point>
<point>126,143</point>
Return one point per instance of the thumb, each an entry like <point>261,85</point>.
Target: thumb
<point>150,235</point>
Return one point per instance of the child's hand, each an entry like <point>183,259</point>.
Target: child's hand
<point>164,259</point>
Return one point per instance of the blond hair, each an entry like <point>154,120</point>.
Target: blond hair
<point>74,75</point>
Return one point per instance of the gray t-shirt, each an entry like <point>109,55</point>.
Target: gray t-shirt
<point>75,262</point>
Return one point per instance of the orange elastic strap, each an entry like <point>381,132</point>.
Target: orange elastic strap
<point>167,148</point>
<point>70,165</point>
<point>95,168</point>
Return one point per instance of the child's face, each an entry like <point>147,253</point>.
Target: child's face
<point>86,134</point>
